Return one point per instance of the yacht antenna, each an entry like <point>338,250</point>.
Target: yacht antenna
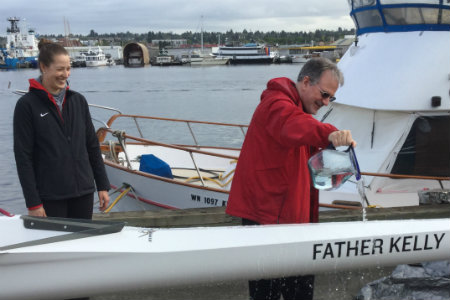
<point>201,32</point>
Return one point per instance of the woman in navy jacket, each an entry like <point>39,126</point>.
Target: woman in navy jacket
<point>56,150</point>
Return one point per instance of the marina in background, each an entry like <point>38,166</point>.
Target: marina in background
<point>21,51</point>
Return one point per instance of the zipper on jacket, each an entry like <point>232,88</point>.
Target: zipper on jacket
<point>52,99</point>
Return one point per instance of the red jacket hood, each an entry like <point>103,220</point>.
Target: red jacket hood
<point>34,84</point>
<point>284,85</point>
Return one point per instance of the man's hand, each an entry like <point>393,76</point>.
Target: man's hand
<point>341,138</point>
<point>104,200</point>
<point>38,212</point>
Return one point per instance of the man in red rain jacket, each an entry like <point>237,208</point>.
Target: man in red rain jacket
<point>271,184</point>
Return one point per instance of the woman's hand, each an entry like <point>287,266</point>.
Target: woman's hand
<point>38,212</point>
<point>104,200</point>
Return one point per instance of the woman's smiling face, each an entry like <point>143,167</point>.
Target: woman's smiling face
<point>54,76</point>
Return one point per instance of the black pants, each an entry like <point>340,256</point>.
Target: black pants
<point>292,288</point>
<point>77,208</point>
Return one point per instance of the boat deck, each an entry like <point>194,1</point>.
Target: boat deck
<point>216,172</point>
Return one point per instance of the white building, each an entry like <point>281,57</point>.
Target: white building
<point>116,52</point>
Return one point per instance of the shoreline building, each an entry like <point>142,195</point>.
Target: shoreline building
<point>115,52</point>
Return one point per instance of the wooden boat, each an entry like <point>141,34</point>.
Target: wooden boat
<point>181,175</point>
<point>86,258</point>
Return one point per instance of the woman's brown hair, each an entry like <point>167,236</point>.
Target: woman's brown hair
<point>48,50</point>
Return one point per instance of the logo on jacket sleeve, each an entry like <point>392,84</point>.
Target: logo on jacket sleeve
<point>44,114</point>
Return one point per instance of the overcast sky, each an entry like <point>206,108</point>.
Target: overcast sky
<point>111,16</point>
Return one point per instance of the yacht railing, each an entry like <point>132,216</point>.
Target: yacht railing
<point>187,122</point>
<point>106,108</point>
<point>108,124</point>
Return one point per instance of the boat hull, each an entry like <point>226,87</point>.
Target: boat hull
<point>211,62</point>
<point>299,59</point>
<point>246,54</point>
<point>18,63</point>
<point>251,60</point>
<point>155,193</point>
<point>96,63</point>
<point>137,258</point>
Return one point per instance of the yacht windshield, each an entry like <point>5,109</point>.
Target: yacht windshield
<point>400,15</point>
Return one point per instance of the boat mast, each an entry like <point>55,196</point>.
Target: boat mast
<point>201,33</point>
<point>14,27</point>
<point>67,32</point>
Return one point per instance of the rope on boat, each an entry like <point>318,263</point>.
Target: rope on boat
<point>121,136</point>
<point>112,151</point>
<point>127,189</point>
<point>230,174</point>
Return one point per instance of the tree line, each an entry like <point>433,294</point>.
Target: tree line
<point>230,37</point>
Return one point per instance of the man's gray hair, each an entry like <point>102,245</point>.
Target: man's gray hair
<point>314,68</point>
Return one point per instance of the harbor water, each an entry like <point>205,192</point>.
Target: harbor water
<point>226,94</point>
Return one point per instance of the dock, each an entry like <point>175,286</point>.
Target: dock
<point>216,216</point>
<point>337,285</point>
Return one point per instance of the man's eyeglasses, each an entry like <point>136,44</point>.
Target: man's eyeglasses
<point>326,95</point>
